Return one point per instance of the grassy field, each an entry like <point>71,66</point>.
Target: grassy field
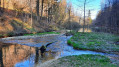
<point>41,33</point>
<point>83,61</point>
<point>102,42</point>
<point>11,34</point>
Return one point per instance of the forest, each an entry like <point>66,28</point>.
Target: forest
<point>107,18</point>
<point>32,16</point>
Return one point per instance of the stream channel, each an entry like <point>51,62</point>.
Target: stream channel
<point>25,51</point>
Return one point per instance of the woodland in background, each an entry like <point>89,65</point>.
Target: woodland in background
<point>32,16</point>
<point>108,18</point>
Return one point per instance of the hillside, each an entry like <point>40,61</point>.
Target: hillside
<point>10,23</point>
<point>25,16</point>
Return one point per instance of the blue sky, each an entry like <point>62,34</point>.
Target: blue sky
<point>94,6</point>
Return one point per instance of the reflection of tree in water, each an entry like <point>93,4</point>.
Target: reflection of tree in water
<point>1,58</point>
<point>15,49</point>
<point>42,50</point>
<point>37,55</point>
<point>16,53</point>
<point>42,53</point>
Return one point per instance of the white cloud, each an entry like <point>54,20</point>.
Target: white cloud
<point>94,14</point>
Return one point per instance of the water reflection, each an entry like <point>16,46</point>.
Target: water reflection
<point>12,54</point>
<point>1,58</point>
<point>34,42</point>
<point>85,30</point>
<point>37,55</point>
<point>29,53</point>
<point>23,56</point>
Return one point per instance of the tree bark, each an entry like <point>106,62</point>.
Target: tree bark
<point>42,9</point>
<point>84,16</point>
<point>31,14</point>
<point>37,7</point>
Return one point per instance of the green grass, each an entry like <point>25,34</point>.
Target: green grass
<point>10,34</point>
<point>86,61</point>
<point>103,42</point>
<point>42,33</point>
<point>1,35</point>
<point>4,35</point>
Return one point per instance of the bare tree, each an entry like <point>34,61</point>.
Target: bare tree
<point>84,4</point>
<point>42,8</point>
<point>37,7</point>
<point>30,4</point>
<point>0,5</point>
<point>69,7</point>
<point>84,15</point>
<point>3,3</point>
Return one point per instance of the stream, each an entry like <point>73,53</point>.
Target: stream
<point>24,51</point>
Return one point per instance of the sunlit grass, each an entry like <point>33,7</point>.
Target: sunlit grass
<point>41,33</point>
<point>86,61</point>
<point>103,42</point>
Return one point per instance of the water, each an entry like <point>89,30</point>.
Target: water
<point>26,52</point>
<point>85,30</point>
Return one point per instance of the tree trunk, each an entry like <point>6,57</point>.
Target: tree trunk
<point>37,55</point>
<point>69,9</point>
<point>0,5</point>
<point>31,14</point>
<point>84,16</point>
<point>37,7</point>
<point>3,4</point>
<point>42,9</point>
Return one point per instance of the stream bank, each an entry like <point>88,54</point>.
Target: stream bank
<point>26,53</point>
